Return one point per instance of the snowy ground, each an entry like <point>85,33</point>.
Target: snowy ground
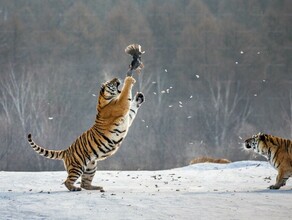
<point>202,191</point>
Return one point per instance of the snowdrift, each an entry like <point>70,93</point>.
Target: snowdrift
<point>202,191</point>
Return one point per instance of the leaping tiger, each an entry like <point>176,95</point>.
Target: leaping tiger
<point>115,113</point>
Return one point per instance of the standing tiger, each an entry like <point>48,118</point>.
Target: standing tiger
<point>115,113</point>
<point>277,150</point>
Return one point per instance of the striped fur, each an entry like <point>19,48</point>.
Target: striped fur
<point>115,113</point>
<point>278,152</point>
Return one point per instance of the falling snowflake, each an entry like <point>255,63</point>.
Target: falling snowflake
<point>191,97</point>
<point>162,91</point>
<point>255,95</point>
<point>197,76</point>
<point>241,52</point>
<point>258,52</point>
<point>189,117</point>
<point>165,70</point>
<point>236,62</point>
<point>170,106</point>
<point>50,118</point>
<point>93,95</point>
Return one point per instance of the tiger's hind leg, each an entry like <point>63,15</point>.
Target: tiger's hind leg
<point>87,177</point>
<point>73,174</point>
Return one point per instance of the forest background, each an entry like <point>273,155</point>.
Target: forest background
<point>216,72</point>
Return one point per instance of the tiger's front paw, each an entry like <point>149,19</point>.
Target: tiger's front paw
<point>130,79</point>
<point>139,98</point>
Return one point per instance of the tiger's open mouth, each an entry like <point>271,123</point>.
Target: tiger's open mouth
<point>250,144</point>
<point>247,145</point>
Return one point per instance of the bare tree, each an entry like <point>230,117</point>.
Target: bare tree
<point>224,113</point>
<point>23,99</point>
<point>287,113</point>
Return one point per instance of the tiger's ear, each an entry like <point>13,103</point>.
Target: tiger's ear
<point>262,137</point>
<point>102,88</point>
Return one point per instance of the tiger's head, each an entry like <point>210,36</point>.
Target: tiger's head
<point>109,91</point>
<point>257,143</point>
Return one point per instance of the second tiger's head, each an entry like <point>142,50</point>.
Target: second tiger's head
<point>256,143</point>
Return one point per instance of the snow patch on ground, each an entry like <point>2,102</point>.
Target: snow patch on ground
<point>202,191</point>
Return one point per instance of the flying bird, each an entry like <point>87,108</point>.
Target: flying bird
<point>135,51</point>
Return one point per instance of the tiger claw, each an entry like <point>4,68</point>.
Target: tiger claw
<point>75,189</point>
<point>71,187</point>
<point>140,98</point>
<point>91,187</point>
<point>274,187</point>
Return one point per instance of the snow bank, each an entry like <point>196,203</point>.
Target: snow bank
<point>201,191</point>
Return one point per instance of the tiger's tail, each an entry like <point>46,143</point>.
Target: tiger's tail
<point>51,154</point>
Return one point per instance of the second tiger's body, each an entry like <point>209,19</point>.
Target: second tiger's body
<point>278,152</point>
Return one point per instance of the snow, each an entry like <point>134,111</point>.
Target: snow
<point>202,191</point>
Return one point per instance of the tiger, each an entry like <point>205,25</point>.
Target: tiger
<point>277,150</point>
<point>116,111</point>
<point>209,160</point>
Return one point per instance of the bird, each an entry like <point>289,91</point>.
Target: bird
<point>135,51</point>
